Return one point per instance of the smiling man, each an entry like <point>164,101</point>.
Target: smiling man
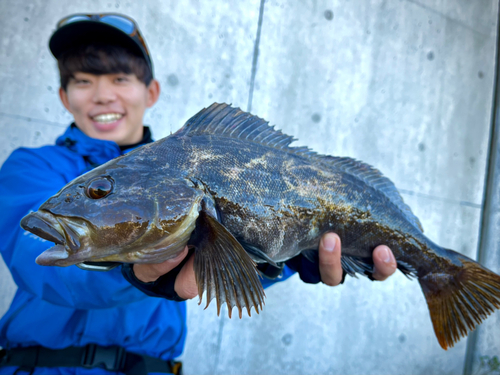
<point>109,106</point>
<point>63,319</point>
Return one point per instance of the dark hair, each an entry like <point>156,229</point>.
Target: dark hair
<point>102,59</point>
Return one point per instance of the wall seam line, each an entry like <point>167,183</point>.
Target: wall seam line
<point>219,344</point>
<point>488,189</point>
<point>255,56</point>
<point>454,20</point>
<point>32,119</point>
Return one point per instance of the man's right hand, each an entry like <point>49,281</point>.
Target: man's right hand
<point>185,282</point>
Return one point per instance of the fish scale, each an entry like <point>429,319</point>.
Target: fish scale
<point>231,186</point>
<point>287,201</point>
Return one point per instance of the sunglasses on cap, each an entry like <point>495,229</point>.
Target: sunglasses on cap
<point>118,21</point>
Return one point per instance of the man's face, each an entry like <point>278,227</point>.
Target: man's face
<point>109,106</point>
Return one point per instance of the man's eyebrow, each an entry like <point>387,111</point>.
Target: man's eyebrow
<point>73,78</point>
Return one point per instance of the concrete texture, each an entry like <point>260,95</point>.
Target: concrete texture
<point>483,345</point>
<point>403,85</point>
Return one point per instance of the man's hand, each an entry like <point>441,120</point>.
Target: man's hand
<point>329,260</point>
<point>185,283</point>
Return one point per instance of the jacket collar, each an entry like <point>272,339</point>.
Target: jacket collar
<point>96,151</point>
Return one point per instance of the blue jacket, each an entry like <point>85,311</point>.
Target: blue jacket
<point>59,307</point>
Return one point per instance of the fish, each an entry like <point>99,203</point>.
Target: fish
<point>230,186</point>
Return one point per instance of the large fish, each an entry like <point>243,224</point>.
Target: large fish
<point>230,185</point>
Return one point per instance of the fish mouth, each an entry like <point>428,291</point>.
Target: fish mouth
<point>42,224</point>
<point>64,232</point>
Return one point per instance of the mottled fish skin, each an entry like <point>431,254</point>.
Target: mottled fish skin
<point>227,180</point>
<point>282,203</point>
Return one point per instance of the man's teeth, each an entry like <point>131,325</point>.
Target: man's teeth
<point>107,117</point>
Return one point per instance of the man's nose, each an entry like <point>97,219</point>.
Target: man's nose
<point>104,92</point>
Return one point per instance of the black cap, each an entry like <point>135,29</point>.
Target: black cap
<point>92,30</point>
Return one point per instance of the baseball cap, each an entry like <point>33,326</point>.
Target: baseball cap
<point>105,28</point>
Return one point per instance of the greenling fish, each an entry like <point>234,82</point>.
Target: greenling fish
<point>230,186</point>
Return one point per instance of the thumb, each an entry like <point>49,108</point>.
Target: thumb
<point>185,283</point>
<point>148,272</point>
<point>385,263</point>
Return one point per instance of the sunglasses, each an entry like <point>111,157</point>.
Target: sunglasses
<point>118,21</point>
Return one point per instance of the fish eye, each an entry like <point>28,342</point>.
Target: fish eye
<point>99,187</point>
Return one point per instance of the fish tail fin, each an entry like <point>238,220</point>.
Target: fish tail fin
<point>459,297</point>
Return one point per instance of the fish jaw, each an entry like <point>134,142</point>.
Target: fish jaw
<point>55,256</point>
<point>67,234</point>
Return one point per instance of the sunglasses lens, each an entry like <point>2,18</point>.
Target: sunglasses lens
<point>120,23</point>
<point>72,19</point>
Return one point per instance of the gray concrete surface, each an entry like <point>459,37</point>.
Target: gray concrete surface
<point>485,339</point>
<point>403,85</point>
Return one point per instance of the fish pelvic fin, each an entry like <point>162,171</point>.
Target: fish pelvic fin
<point>223,269</point>
<point>460,301</point>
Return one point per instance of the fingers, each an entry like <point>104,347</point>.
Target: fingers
<point>385,263</point>
<point>151,272</point>
<point>330,267</point>
<point>185,283</point>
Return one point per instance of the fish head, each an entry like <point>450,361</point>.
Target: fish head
<point>115,214</point>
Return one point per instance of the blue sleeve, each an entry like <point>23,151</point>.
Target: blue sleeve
<point>26,180</point>
<point>307,270</point>
<point>285,274</point>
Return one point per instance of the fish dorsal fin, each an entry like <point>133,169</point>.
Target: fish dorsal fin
<point>227,121</point>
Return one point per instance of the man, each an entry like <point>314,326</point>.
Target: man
<point>65,318</point>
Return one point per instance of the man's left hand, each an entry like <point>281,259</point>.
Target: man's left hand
<point>331,269</point>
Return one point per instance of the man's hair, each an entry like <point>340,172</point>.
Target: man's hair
<point>102,59</point>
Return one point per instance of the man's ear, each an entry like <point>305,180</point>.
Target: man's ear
<point>63,95</point>
<point>153,93</point>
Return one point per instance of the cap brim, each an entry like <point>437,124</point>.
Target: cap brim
<point>84,32</point>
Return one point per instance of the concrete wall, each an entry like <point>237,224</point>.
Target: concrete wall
<point>404,85</point>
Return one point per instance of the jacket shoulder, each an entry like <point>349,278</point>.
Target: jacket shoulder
<point>42,161</point>
<point>44,153</point>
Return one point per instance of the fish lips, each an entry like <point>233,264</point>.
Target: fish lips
<point>41,224</point>
<point>55,256</point>
<point>47,226</point>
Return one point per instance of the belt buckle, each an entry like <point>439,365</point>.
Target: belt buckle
<point>112,358</point>
<point>175,367</point>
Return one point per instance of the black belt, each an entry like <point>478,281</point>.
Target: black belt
<point>112,358</point>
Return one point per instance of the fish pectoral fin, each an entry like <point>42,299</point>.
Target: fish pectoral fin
<point>223,268</point>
